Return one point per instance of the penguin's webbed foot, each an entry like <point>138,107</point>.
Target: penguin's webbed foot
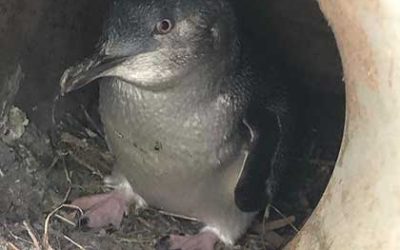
<point>203,241</point>
<point>102,210</point>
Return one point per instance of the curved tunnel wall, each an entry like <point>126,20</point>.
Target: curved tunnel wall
<point>361,207</point>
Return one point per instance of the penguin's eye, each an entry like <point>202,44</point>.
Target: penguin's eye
<point>164,26</point>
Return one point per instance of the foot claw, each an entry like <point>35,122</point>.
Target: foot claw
<point>102,210</point>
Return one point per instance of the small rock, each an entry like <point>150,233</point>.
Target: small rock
<point>15,125</point>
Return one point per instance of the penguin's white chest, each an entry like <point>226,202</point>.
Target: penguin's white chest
<point>180,161</point>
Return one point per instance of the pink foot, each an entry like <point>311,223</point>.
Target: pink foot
<point>203,241</point>
<point>102,210</point>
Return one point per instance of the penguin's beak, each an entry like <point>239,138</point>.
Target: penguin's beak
<point>89,70</point>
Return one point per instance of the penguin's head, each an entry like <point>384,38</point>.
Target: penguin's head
<point>152,44</point>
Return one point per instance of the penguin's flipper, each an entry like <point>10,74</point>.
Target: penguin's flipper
<point>266,155</point>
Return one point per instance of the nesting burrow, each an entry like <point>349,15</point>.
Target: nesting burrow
<point>53,150</point>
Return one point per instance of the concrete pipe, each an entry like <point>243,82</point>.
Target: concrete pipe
<point>361,207</point>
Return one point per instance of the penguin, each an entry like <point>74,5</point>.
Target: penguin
<point>196,129</point>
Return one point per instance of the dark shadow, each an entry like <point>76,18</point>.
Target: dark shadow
<point>295,39</point>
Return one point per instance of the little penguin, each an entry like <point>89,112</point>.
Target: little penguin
<point>195,128</point>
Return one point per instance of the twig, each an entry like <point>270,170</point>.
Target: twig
<point>92,122</point>
<point>11,246</point>
<point>32,235</point>
<point>173,215</point>
<point>55,123</point>
<point>66,196</point>
<point>274,225</point>
<point>144,222</point>
<point>70,139</point>
<point>277,224</point>
<point>73,242</point>
<point>81,151</point>
<point>284,216</point>
<point>68,177</point>
<point>15,236</point>
<point>53,163</point>
<point>266,215</point>
<point>45,241</point>
<point>56,100</point>
<point>86,165</point>
<point>65,220</point>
